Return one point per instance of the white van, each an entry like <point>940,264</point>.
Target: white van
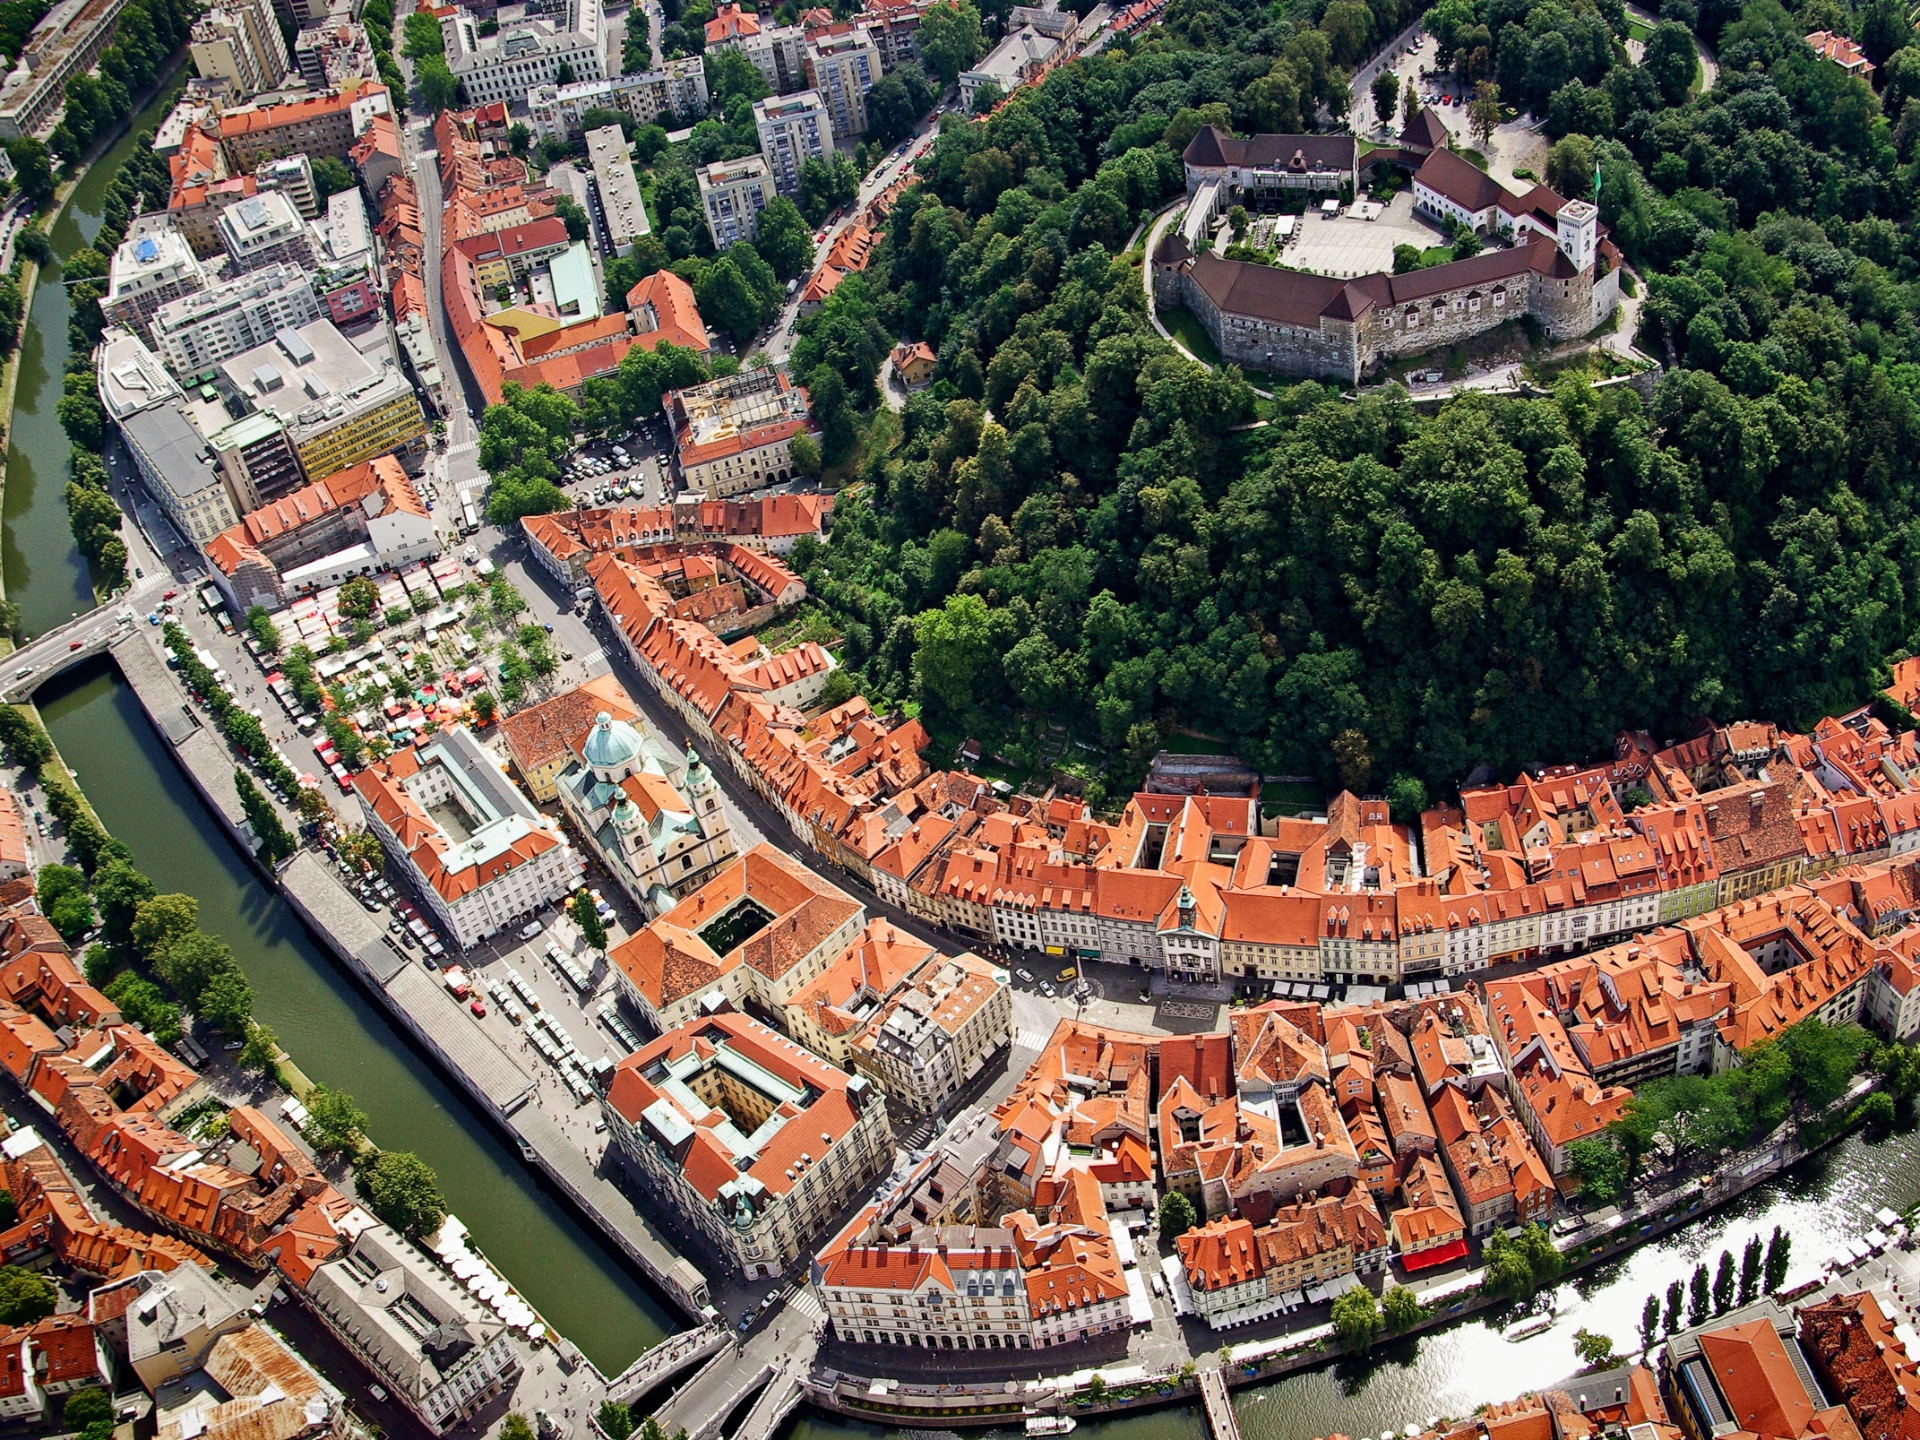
<point>531,929</point>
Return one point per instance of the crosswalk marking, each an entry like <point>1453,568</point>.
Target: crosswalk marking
<point>807,1305</point>
<point>1030,1038</point>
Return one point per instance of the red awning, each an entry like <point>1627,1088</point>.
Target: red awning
<point>1438,1255</point>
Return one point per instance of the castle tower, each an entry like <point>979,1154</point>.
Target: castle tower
<point>1578,227</point>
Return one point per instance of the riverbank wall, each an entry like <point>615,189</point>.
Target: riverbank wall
<point>494,1080</point>
<point>876,1400</point>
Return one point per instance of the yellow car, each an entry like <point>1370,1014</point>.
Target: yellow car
<point>1068,973</point>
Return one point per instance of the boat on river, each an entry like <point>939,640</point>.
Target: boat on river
<point>1051,1424</point>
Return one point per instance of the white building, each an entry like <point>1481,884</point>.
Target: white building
<point>199,330</point>
<point>654,838</point>
<point>1036,40</point>
<point>129,376</point>
<point>505,67</point>
<point>619,187</point>
<point>678,89</point>
<point>265,229</point>
<point>732,195</point>
<point>935,1034</point>
<point>478,853</point>
<point>148,270</point>
<point>793,130</point>
<point>239,41</point>
<point>778,52</point>
<point>67,41</point>
<point>843,64</point>
<point>442,1353</point>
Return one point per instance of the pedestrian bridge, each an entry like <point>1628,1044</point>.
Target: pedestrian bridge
<point>673,1356</point>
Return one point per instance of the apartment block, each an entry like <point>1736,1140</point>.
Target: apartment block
<point>732,195</point>
<point>779,52</point>
<point>316,126</point>
<point>266,230</point>
<point>793,130</point>
<point>67,41</point>
<point>843,64</point>
<point>678,89</point>
<point>619,187</point>
<point>148,270</point>
<point>240,42</point>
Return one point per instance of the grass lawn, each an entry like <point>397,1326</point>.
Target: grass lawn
<point>1436,255</point>
<point>1638,31</point>
<point>1191,333</point>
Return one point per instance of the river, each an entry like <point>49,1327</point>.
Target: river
<point>330,1028</point>
<point>337,1036</point>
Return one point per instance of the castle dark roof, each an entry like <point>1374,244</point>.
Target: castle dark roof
<point>1293,297</point>
<point>1472,189</point>
<point>1213,149</point>
<point>1172,249</point>
<point>1286,297</point>
<point>1424,130</point>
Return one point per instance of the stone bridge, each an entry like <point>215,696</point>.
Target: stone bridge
<point>672,1356</point>
<point>82,638</point>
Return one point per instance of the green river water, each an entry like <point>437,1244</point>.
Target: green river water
<point>338,1036</point>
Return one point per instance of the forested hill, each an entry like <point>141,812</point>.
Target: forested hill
<point>1360,590</point>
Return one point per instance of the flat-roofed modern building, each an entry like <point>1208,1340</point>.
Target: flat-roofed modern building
<point>148,270</point>
<point>340,406</point>
<point>129,376</point>
<point>732,195</point>
<point>197,331</point>
<point>265,229</point>
<point>843,64</point>
<point>619,188</point>
<point>178,466</point>
<point>793,130</point>
<point>752,1140</point>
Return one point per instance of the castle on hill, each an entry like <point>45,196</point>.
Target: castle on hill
<point>1558,269</point>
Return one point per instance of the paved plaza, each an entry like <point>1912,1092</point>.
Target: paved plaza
<point>1346,246</point>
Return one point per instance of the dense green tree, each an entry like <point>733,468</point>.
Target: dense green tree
<point>335,1119</point>
<point>593,932</point>
<point>1176,1215</point>
<point>272,840</point>
<point>1401,1309</point>
<point>951,39</point>
<point>1356,1319</point>
<point>1779,1255</point>
<point>438,89</point>
<point>403,1191</point>
<point>25,1296</point>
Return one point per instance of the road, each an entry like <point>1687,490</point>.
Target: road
<point>779,343</point>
